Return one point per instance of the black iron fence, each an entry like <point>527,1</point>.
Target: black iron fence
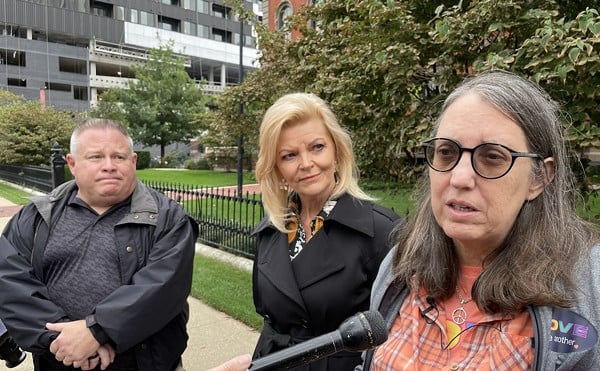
<point>39,178</point>
<point>226,220</point>
<point>35,177</point>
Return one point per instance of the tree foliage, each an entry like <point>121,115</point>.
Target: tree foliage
<point>28,131</point>
<point>386,66</point>
<point>160,104</point>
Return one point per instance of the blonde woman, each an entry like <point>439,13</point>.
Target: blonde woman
<point>319,248</point>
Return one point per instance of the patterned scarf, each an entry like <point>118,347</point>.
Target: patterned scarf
<point>297,234</point>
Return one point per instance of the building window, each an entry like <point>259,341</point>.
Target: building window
<point>189,4</point>
<point>147,19</point>
<point>221,35</point>
<point>119,13</point>
<point>221,11</point>
<point>57,86</point>
<point>17,82</point>
<point>189,28</point>
<point>249,41</point>
<point>72,65</point>
<point>170,2</point>
<point>202,6</point>
<point>168,24</point>
<point>80,92</point>
<point>81,6</point>
<point>101,9</point>
<point>64,4</point>
<point>284,11</point>
<point>134,17</point>
<point>203,31</point>
<point>13,57</point>
<point>78,5</point>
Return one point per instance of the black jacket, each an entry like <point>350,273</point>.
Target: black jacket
<point>331,279</point>
<point>156,244</point>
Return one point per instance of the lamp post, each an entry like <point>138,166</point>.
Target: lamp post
<point>57,162</point>
<point>240,139</point>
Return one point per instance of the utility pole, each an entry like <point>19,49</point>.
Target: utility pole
<point>240,139</point>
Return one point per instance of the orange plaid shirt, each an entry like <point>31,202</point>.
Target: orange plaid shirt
<point>484,342</point>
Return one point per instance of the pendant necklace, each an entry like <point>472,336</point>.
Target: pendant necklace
<point>459,315</point>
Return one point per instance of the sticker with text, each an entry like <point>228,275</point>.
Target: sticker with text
<point>570,332</point>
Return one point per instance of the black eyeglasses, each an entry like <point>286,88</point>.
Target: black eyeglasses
<point>489,160</point>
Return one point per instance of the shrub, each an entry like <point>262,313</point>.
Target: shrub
<point>143,160</point>
<point>197,164</point>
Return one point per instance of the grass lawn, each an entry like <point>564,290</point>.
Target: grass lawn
<point>13,194</point>
<point>398,200</point>
<point>195,177</point>
<point>226,288</point>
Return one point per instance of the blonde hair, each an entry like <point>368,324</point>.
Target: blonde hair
<point>289,110</point>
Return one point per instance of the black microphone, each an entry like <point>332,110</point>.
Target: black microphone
<point>362,331</point>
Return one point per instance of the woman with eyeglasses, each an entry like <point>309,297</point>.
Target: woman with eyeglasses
<point>495,271</point>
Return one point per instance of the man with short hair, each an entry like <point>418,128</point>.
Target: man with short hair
<point>96,274</point>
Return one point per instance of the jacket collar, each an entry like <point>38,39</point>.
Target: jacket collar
<point>354,213</point>
<point>141,199</point>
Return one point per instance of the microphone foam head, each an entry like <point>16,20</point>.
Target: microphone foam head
<point>363,331</point>
<point>377,323</point>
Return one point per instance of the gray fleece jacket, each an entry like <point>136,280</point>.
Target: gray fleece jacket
<point>564,339</point>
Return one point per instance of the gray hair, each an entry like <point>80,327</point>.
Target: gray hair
<point>534,264</point>
<point>98,123</point>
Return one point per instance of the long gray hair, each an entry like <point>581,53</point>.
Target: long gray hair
<point>533,266</point>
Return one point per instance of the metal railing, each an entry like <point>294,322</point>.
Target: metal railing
<point>34,177</point>
<point>129,51</point>
<point>226,221</point>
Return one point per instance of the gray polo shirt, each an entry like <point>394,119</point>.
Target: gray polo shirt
<point>81,264</point>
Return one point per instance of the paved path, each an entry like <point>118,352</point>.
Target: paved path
<point>193,194</point>
<point>214,336</point>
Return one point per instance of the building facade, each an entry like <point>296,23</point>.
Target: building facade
<point>67,52</point>
<point>275,12</point>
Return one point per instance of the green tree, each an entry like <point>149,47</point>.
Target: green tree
<point>347,60</point>
<point>109,106</point>
<point>7,98</point>
<point>160,103</point>
<point>28,131</point>
<point>385,67</point>
<point>564,55</point>
<point>541,42</point>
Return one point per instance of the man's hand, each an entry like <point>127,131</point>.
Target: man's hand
<point>104,357</point>
<point>75,345</point>
<point>239,363</point>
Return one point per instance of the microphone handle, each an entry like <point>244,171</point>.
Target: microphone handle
<point>301,353</point>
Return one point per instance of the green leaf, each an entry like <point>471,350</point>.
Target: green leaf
<point>574,54</point>
<point>495,27</point>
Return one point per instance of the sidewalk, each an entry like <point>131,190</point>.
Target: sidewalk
<point>214,336</point>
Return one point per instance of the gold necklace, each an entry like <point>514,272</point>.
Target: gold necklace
<point>459,315</point>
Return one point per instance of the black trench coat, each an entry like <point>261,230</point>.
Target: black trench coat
<point>328,282</point>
